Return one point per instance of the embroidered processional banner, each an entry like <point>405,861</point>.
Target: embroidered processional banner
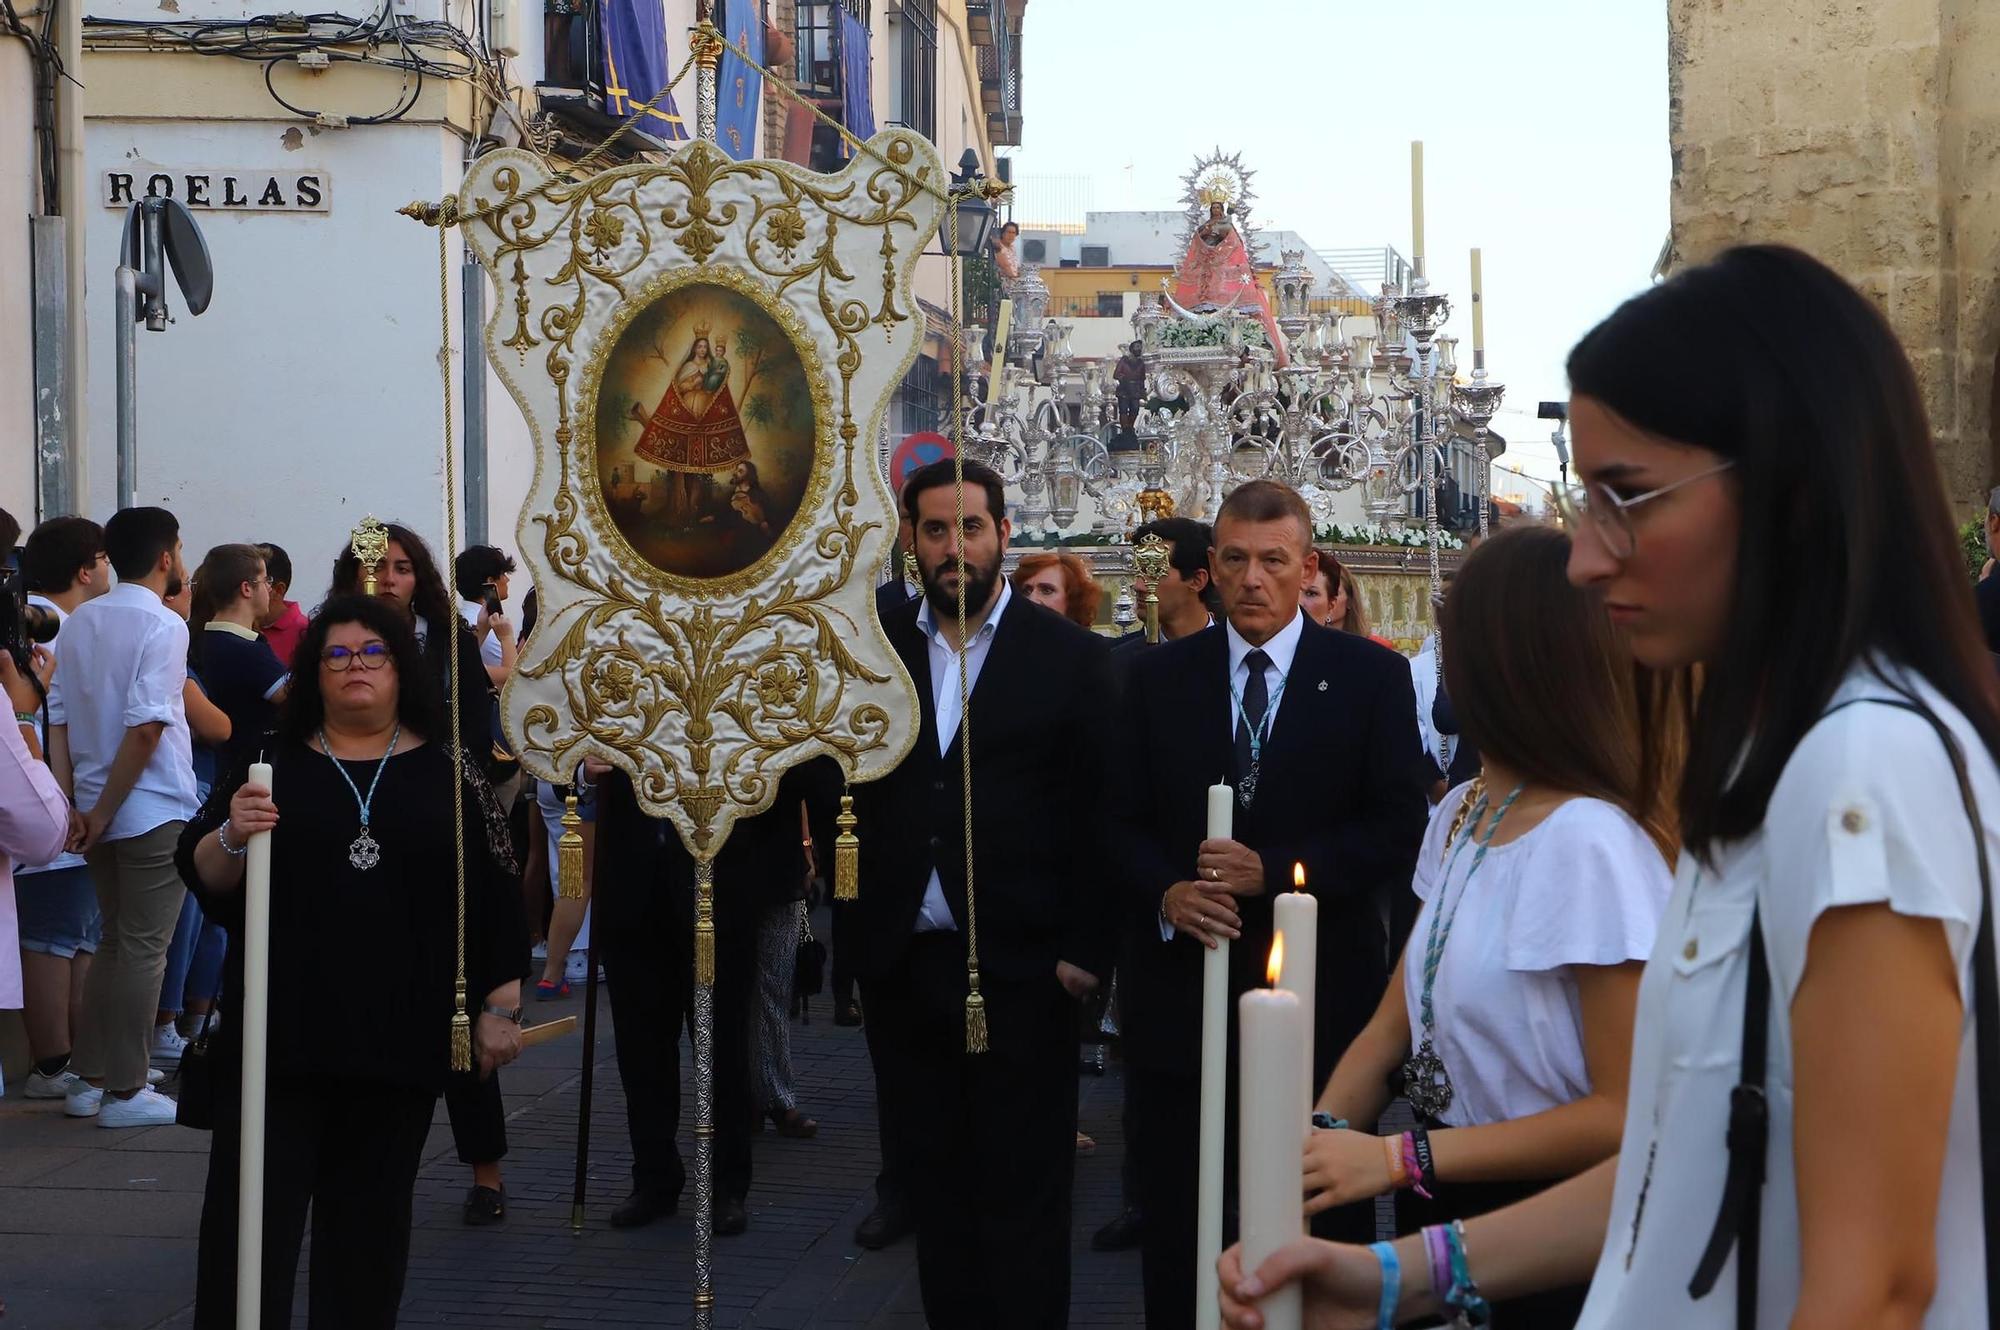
<point>704,350</point>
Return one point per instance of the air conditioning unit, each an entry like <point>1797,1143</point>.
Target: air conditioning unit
<point>1035,251</point>
<point>1097,256</point>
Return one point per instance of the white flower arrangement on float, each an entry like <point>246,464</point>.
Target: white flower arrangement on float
<point>1373,533</point>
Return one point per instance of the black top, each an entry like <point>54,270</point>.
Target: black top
<point>1988,594</point>
<point>238,675</point>
<point>476,717</point>
<point>1341,790</point>
<point>362,961</point>
<point>1038,715</point>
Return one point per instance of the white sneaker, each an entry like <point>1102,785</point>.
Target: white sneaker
<point>167,1043</point>
<point>59,1086</point>
<point>576,968</point>
<point>154,1075</point>
<point>148,1108</point>
<point>84,1101</point>
<point>540,951</point>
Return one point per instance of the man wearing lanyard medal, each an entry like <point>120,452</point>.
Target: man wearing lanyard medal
<point>1316,730</point>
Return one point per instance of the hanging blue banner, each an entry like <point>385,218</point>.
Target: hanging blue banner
<point>740,92</point>
<point>636,66</point>
<point>857,103</point>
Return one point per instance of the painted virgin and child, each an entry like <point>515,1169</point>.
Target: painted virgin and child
<point>1216,274</point>
<point>695,433</point>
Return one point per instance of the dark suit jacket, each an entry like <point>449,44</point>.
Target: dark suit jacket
<point>1038,710</point>
<point>1987,593</point>
<point>1341,791</point>
<point>761,864</point>
<point>891,596</point>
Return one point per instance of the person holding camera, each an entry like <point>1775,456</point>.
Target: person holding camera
<point>480,575</point>
<point>62,566</point>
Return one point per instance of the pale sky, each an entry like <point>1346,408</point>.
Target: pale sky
<point>1545,141</point>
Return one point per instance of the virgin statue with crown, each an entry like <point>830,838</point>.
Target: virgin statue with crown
<point>1216,275</point>
<point>695,432</point>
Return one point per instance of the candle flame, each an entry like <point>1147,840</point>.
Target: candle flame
<point>1298,877</point>
<point>1277,965</point>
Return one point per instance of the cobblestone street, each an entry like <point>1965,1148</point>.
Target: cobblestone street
<point>97,1227</point>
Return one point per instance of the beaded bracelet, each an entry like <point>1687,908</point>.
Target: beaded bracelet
<point>222,839</point>
<point>1392,1285</point>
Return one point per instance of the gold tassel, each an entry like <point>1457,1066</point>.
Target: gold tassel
<point>846,853</point>
<point>975,1018</point>
<point>704,922</point>
<point>569,853</point>
<point>461,1033</point>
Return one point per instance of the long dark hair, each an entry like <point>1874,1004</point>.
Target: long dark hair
<point>1768,358</point>
<point>1538,680</point>
<point>431,601</point>
<point>418,706</point>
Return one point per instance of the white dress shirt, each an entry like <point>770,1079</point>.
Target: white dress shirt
<point>124,664</point>
<point>1284,644</point>
<point>1439,748</point>
<point>949,705</point>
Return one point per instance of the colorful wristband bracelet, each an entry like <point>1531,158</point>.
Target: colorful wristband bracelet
<point>1392,1285</point>
<point>1413,1164</point>
<point>1463,1296</point>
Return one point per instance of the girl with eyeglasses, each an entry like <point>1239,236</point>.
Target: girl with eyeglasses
<point>1810,1065</point>
<point>363,846</point>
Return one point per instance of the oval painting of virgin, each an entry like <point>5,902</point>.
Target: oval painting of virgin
<point>705,432</point>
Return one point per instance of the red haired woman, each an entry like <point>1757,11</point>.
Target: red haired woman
<point>1060,582</point>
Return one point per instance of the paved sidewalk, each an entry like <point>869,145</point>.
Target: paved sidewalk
<point>97,1227</point>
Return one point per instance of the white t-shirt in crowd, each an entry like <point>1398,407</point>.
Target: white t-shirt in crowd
<point>489,645</point>
<point>1584,887</point>
<point>1867,811</point>
<point>124,663</point>
<point>65,859</point>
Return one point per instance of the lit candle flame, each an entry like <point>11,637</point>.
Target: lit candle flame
<point>1277,964</point>
<point>1298,877</point>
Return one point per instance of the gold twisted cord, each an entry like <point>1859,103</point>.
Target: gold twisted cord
<point>461,1018</point>
<point>975,1002</point>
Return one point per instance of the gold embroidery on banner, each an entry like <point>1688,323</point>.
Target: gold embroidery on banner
<point>704,687</point>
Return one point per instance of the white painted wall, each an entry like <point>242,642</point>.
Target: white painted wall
<point>17,203</point>
<point>309,393</point>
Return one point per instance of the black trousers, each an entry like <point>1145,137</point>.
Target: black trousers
<point>992,1136</point>
<point>478,1117</point>
<point>346,1150</point>
<point>646,941</point>
<point>1164,1134</point>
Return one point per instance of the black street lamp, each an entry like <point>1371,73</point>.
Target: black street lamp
<point>975,214</point>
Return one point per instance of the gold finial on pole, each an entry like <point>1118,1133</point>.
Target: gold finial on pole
<point>911,573</point>
<point>1149,561</point>
<point>369,544</point>
<point>706,45</point>
<point>846,853</point>
<point>442,213</point>
<point>569,851</point>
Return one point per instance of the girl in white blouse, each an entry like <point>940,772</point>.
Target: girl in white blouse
<point>1770,508</point>
<point>1510,1015</point>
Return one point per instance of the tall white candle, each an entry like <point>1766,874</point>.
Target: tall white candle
<point>1214,1092</point>
<point>1478,307</point>
<point>1270,1092</point>
<point>1417,204</point>
<point>256,1038</point>
<point>1297,916</point>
